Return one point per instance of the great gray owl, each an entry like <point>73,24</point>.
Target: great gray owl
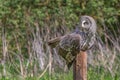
<point>82,39</point>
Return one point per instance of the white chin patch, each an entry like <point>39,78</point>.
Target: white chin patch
<point>83,23</point>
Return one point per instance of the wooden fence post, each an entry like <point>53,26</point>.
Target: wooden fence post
<point>80,66</point>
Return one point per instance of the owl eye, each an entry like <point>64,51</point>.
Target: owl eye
<point>85,23</point>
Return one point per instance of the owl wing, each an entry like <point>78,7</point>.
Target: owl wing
<point>70,42</point>
<point>69,47</point>
<point>54,42</point>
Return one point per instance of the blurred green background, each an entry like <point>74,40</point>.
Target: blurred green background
<point>26,26</point>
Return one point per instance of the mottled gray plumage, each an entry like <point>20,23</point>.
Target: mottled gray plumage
<point>82,39</point>
<point>87,28</point>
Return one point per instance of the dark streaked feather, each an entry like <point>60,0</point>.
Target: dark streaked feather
<point>53,43</point>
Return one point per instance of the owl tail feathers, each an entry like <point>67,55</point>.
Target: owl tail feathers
<point>54,42</point>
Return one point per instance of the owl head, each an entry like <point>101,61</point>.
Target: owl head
<point>87,24</point>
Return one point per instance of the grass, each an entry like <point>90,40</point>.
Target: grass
<point>54,76</point>
<point>97,73</point>
<point>93,74</point>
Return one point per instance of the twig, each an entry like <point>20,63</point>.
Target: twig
<point>44,71</point>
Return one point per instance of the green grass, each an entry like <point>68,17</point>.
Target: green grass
<point>93,74</point>
<point>54,76</point>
